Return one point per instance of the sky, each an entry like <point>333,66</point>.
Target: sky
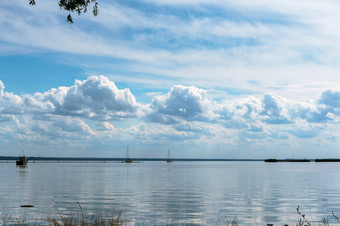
<point>205,78</point>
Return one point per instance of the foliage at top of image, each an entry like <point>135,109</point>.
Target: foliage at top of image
<point>79,6</point>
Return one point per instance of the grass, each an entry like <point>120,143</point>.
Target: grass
<point>66,221</point>
<point>79,220</point>
<point>82,220</point>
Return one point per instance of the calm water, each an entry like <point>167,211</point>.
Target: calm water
<point>180,192</point>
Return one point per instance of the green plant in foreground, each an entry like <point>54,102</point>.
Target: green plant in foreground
<point>74,221</point>
<point>233,222</point>
<point>336,218</point>
<point>302,222</point>
<point>325,221</point>
<point>82,220</point>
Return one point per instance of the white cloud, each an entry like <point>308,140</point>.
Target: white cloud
<point>2,88</point>
<point>7,118</point>
<point>275,111</point>
<point>96,97</point>
<point>72,125</point>
<point>330,98</point>
<point>9,102</point>
<point>182,102</point>
<point>105,126</point>
<point>327,108</point>
<point>74,117</point>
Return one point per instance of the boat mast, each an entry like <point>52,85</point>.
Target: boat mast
<point>127,160</point>
<point>127,152</point>
<point>169,160</point>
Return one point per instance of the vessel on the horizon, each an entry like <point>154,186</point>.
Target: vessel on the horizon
<point>168,159</point>
<point>22,160</point>
<point>127,160</point>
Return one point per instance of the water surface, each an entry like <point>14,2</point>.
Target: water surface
<point>179,192</point>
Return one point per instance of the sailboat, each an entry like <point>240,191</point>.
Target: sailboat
<point>169,160</point>
<point>127,160</point>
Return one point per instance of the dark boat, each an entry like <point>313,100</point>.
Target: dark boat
<point>22,161</point>
<point>169,160</point>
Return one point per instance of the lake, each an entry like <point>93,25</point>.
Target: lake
<point>174,193</point>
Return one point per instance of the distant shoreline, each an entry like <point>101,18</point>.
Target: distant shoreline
<point>93,159</point>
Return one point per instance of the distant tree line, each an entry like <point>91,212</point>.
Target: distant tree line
<point>79,6</point>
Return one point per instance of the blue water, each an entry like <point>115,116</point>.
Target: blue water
<point>179,192</point>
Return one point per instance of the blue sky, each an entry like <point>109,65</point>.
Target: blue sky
<point>208,79</point>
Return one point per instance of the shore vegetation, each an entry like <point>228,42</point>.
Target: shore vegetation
<point>82,220</point>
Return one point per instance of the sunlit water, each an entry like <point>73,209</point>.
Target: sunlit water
<point>179,192</point>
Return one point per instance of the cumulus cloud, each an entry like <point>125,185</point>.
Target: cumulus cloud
<point>9,102</point>
<point>105,126</point>
<point>330,99</point>
<point>182,102</point>
<point>83,111</point>
<point>319,115</point>
<point>252,113</point>
<point>34,105</point>
<point>61,113</point>
<point>325,109</point>
<point>96,98</point>
<point>72,125</point>
<point>275,111</point>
